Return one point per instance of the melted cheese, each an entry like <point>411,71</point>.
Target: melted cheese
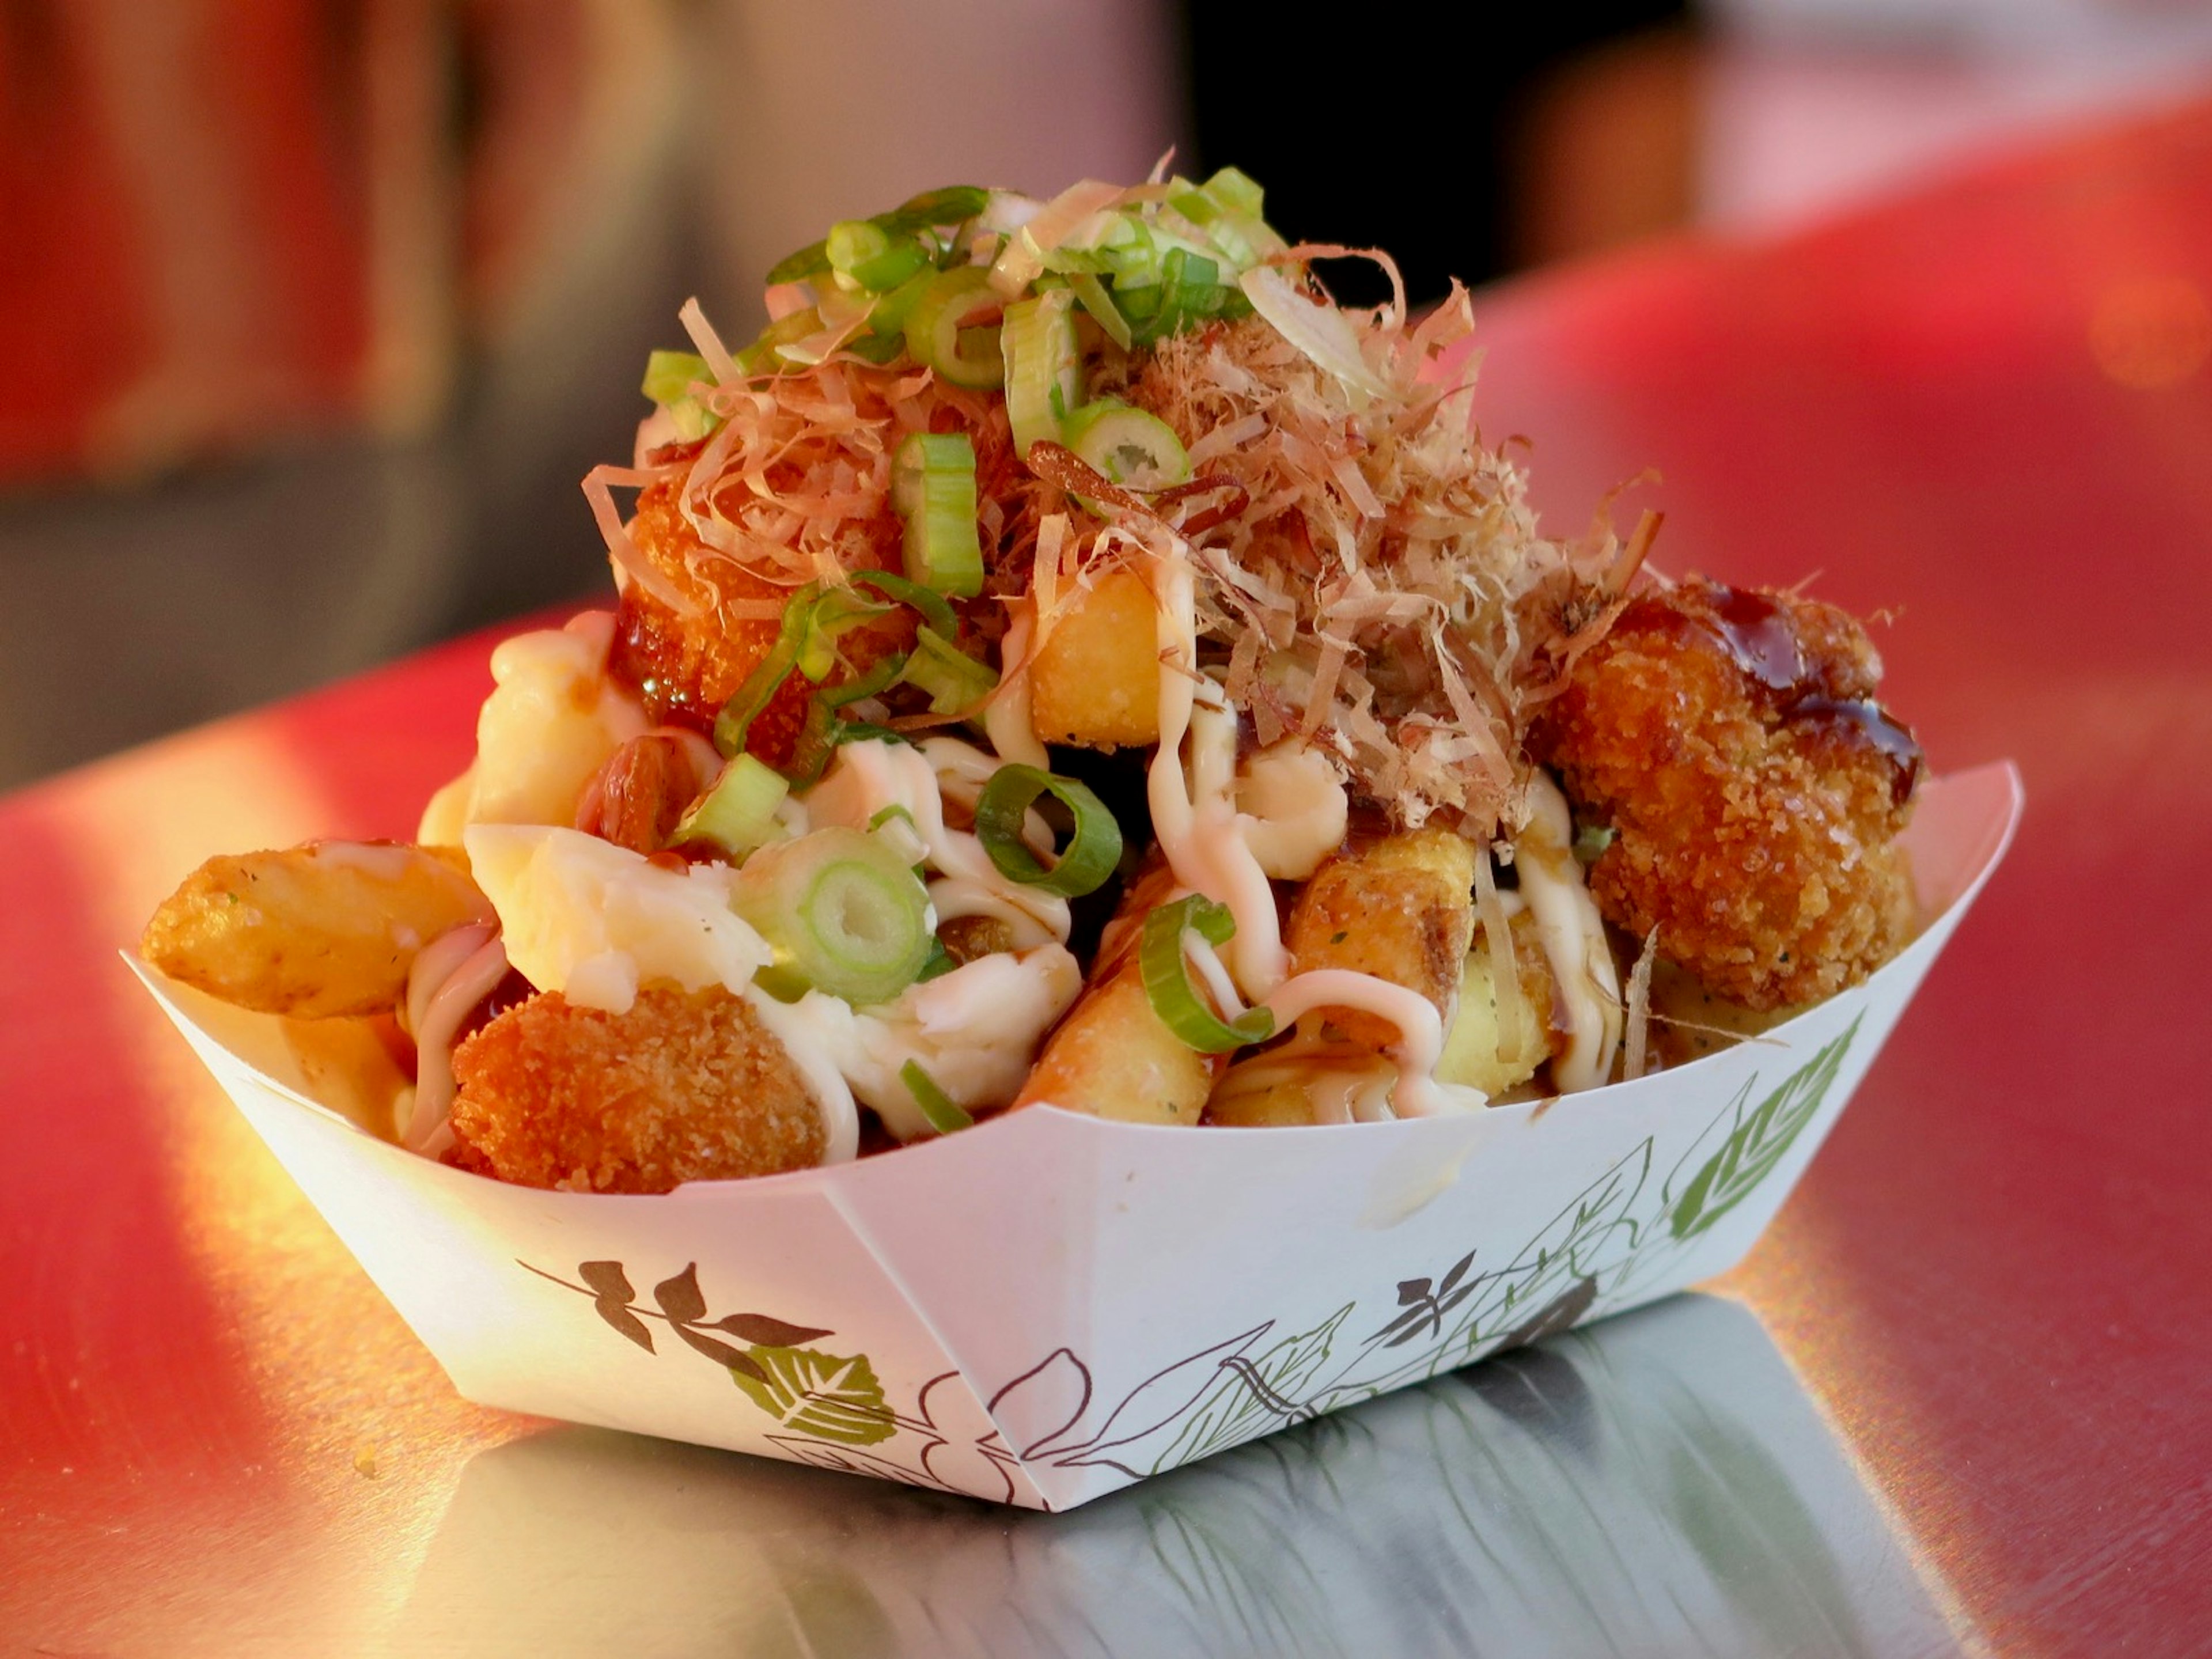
<point>593,920</point>
<point>976,1030</point>
<point>554,718</point>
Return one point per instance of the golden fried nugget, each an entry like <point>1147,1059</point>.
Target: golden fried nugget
<point>324,929</point>
<point>1096,681</point>
<point>683,1086</point>
<point>687,667</point>
<point>1756,790</point>
<point>1400,908</point>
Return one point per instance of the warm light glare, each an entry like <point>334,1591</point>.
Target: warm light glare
<point>2151,332</point>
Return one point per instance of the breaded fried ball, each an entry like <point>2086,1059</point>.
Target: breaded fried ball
<point>684,1086</point>
<point>1755,789</point>
<point>687,667</point>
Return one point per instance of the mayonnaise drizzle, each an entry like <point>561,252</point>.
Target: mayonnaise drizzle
<point>1421,1032</point>
<point>1573,935</point>
<point>1195,814</point>
<point>1006,716</point>
<point>450,977</point>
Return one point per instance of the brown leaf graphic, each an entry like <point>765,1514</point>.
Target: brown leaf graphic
<point>768,1333</point>
<point>679,1298</point>
<point>607,1280</point>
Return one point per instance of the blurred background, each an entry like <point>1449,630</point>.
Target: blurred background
<point>313,312</point>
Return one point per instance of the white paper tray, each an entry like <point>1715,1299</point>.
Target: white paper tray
<point>1047,1307</point>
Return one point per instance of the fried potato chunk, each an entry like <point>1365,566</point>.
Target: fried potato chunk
<point>1096,682</point>
<point>324,929</point>
<point>1731,740</point>
<point>1479,1051</point>
<point>1113,1056</point>
<point>684,1086</point>
<point>1400,908</point>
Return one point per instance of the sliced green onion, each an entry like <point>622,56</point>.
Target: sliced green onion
<point>944,1114</point>
<point>1043,373</point>
<point>769,674</point>
<point>1091,853</point>
<point>765,355</point>
<point>1236,191</point>
<point>873,257</point>
<point>1167,977</point>
<point>737,812</point>
<point>843,913</point>
<point>811,260</point>
<point>949,205</point>
<point>1128,446</point>
<point>940,964</point>
<point>897,828</point>
<point>933,488</point>
<point>937,331</point>
<point>816,742</point>
<point>837,611</point>
<point>1099,304</point>
<point>929,602</point>
<point>1591,841</point>
<point>866,731</point>
<point>953,679</point>
<point>670,376</point>
<point>878,679</point>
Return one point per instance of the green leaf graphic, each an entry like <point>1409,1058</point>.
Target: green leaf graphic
<point>1757,1143</point>
<point>819,1393</point>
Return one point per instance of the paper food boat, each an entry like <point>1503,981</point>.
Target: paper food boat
<point>1049,1307</point>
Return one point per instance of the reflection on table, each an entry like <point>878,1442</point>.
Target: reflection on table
<point>1657,1484</point>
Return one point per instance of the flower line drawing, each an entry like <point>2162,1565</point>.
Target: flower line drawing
<point>830,1410</point>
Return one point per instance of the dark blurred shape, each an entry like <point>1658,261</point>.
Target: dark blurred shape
<point>1402,130</point>
<point>221,225</point>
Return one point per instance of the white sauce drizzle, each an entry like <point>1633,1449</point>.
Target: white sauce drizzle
<point>1421,1032</point>
<point>833,1095</point>
<point>1194,816</point>
<point>1006,719</point>
<point>450,977</point>
<point>1573,935</point>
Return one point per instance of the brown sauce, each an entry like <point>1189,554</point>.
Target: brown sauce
<point>1759,636</point>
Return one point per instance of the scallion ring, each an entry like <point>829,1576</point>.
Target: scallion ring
<point>843,913</point>
<point>1167,977</point>
<point>769,674</point>
<point>943,1112</point>
<point>1091,853</point>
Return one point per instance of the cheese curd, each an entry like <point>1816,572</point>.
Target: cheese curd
<point>593,920</point>
<point>554,718</point>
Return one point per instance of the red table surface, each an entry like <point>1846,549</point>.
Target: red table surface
<point>1986,409</point>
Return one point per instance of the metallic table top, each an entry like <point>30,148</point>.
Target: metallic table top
<point>1956,1400</point>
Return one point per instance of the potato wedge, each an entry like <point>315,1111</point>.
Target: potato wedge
<point>1473,1046</point>
<point>1303,1084</point>
<point>1401,908</point>
<point>1113,1056</point>
<point>328,928</point>
<point>1096,681</point>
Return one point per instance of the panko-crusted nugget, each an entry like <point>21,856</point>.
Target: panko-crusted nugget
<point>687,667</point>
<point>682,1087</point>
<point>1731,739</point>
